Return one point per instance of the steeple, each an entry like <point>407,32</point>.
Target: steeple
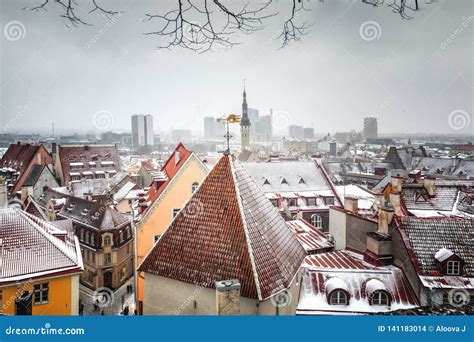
<point>245,124</point>
<point>245,118</point>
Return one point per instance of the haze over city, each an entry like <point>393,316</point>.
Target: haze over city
<point>330,80</point>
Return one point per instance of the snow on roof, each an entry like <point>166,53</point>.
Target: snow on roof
<point>374,285</point>
<point>335,283</point>
<point>443,254</point>
<point>28,247</point>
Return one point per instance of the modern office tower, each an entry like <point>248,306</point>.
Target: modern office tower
<point>370,128</point>
<point>295,132</point>
<point>308,133</point>
<point>142,130</point>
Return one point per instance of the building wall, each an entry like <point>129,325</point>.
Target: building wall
<point>46,179</point>
<point>179,190</point>
<point>337,228</point>
<point>63,292</point>
<point>165,296</point>
<point>356,232</point>
<point>42,157</point>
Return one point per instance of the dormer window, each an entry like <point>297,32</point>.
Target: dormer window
<point>338,297</point>
<point>449,263</point>
<point>311,201</point>
<point>301,180</point>
<point>329,200</point>
<point>453,268</point>
<point>266,181</point>
<point>283,181</point>
<point>380,298</point>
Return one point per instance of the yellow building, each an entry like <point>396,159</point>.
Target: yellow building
<point>180,176</point>
<point>40,266</point>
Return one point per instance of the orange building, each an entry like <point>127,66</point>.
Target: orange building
<point>41,265</point>
<point>169,191</point>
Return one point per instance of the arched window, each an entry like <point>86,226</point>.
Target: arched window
<point>380,298</point>
<point>194,186</point>
<point>316,221</point>
<point>87,237</point>
<point>107,240</point>
<point>338,297</point>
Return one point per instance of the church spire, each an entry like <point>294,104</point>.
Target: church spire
<point>245,118</point>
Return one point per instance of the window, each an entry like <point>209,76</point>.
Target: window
<point>175,212</point>
<point>453,268</point>
<point>82,234</point>
<point>338,297</point>
<point>194,186</point>
<point>75,178</point>
<point>128,248</point>
<point>87,237</point>
<point>292,202</point>
<point>92,239</point>
<point>41,293</point>
<point>93,257</point>
<point>107,240</point>
<point>121,236</point>
<point>329,200</point>
<point>311,201</point>
<point>107,259</point>
<point>380,298</point>
<point>274,203</point>
<point>128,233</point>
<point>99,175</point>
<point>316,221</point>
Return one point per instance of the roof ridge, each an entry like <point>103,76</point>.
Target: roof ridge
<point>244,225</point>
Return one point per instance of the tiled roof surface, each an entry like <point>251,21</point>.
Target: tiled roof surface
<point>33,176</point>
<point>28,246</point>
<point>228,230</point>
<point>50,194</point>
<point>349,269</point>
<point>444,200</point>
<point>92,214</point>
<point>311,238</point>
<point>426,236</point>
<point>87,154</point>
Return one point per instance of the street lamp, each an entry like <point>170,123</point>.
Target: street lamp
<point>231,118</point>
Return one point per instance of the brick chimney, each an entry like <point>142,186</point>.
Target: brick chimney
<point>395,202</point>
<point>379,243</point>
<point>397,182</point>
<point>228,297</point>
<point>429,182</point>
<point>351,204</point>
<point>379,200</point>
<point>142,202</point>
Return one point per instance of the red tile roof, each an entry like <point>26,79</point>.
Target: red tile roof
<point>87,154</point>
<point>170,168</point>
<point>228,230</point>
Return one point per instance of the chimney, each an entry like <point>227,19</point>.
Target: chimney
<point>25,192</point>
<point>395,202</point>
<point>142,202</point>
<point>351,204</point>
<point>379,243</point>
<point>3,193</point>
<point>228,297</point>
<point>159,179</point>
<point>430,186</point>
<point>385,219</point>
<point>379,200</point>
<point>454,163</point>
<point>397,182</point>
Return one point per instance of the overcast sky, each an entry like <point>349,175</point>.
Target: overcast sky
<point>411,74</point>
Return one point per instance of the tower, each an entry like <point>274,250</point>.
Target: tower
<point>245,124</point>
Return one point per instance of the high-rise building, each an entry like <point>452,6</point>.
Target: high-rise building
<point>245,124</point>
<point>142,130</point>
<point>370,128</point>
<point>263,128</point>
<point>308,133</point>
<point>295,132</point>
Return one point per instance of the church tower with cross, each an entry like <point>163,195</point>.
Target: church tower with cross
<point>245,124</point>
